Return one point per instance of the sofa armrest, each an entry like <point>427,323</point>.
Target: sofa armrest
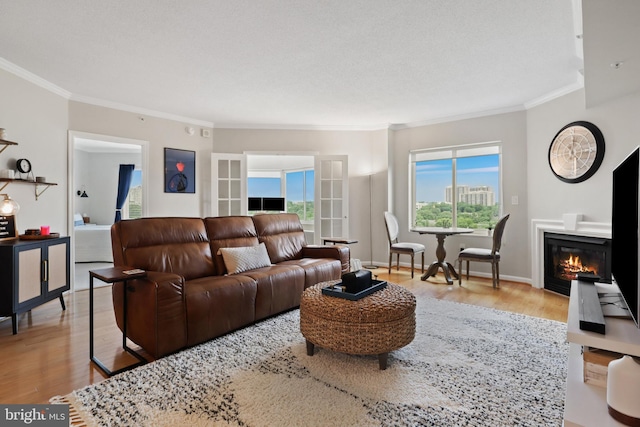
<point>339,252</point>
<point>156,314</point>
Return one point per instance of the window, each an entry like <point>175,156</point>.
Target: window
<point>263,187</point>
<point>456,187</point>
<point>300,193</point>
<point>133,205</point>
<point>263,184</point>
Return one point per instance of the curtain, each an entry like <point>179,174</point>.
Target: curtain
<point>124,182</point>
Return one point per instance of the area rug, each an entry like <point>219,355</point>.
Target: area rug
<point>468,365</point>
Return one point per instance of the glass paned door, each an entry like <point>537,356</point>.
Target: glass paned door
<point>332,198</point>
<point>229,186</point>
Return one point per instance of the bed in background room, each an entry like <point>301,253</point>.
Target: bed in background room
<point>92,241</point>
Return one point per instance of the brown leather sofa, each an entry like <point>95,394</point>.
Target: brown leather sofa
<point>187,296</point>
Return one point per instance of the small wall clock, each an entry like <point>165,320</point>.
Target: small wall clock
<point>23,165</point>
<point>576,152</point>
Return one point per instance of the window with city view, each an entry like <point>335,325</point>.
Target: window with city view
<point>456,187</point>
<point>133,204</point>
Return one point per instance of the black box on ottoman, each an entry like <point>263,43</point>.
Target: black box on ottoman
<point>356,281</point>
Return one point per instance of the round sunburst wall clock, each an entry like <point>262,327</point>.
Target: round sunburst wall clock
<point>576,152</point>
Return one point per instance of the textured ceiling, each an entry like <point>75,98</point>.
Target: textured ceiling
<point>351,63</point>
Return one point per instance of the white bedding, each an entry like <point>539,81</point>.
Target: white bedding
<point>93,243</point>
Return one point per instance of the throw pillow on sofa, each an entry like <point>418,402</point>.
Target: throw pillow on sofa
<point>244,258</point>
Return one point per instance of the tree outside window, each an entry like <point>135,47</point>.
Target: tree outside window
<point>133,205</point>
<point>300,194</point>
<point>457,187</point>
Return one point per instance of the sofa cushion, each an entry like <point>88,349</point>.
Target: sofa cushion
<point>218,304</point>
<point>282,234</point>
<point>278,288</point>
<point>317,270</point>
<point>171,245</point>
<point>245,258</point>
<point>229,232</point>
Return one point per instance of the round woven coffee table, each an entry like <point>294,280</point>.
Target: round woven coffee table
<point>376,324</point>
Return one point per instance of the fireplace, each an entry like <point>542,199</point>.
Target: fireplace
<point>566,255</point>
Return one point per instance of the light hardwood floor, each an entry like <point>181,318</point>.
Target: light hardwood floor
<point>50,354</point>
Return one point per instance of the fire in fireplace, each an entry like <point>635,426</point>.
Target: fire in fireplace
<point>568,265</point>
<point>567,255</point>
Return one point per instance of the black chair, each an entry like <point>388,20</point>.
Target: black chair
<point>399,248</point>
<point>485,255</point>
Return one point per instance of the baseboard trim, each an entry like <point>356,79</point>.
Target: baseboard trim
<point>482,274</point>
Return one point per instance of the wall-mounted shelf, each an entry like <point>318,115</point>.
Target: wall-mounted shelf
<point>4,143</point>
<point>40,187</point>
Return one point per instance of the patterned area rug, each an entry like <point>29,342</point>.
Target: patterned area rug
<point>468,366</point>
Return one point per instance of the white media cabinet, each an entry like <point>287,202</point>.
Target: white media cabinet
<point>586,404</point>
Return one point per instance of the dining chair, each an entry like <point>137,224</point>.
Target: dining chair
<point>485,255</point>
<point>400,248</point>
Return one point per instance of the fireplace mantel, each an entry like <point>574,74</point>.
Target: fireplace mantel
<point>570,224</point>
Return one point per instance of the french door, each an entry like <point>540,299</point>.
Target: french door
<point>229,186</point>
<point>331,198</point>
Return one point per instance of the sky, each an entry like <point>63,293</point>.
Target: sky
<point>270,187</point>
<point>433,176</point>
<point>136,178</point>
<point>431,179</point>
<point>263,187</point>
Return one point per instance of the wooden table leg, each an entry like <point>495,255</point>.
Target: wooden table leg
<point>452,270</point>
<point>447,273</point>
<point>310,348</point>
<point>447,268</point>
<point>431,271</point>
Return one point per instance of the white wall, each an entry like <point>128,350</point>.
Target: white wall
<point>81,172</point>
<point>508,128</point>
<point>36,119</point>
<point>549,197</point>
<point>160,133</point>
<point>366,151</point>
<point>98,173</point>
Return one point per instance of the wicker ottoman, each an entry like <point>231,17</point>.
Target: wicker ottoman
<point>376,324</point>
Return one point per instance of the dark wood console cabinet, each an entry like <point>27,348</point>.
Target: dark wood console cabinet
<point>32,272</point>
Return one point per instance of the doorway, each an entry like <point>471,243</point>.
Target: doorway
<point>290,176</point>
<point>229,172</point>
<point>93,179</point>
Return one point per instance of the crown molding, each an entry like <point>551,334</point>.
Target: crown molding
<point>262,126</point>
<point>556,94</point>
<point>39,81</point>
<point>472,115</point>
<point>139,110</point>
<point>579,84</point>
<point>32,78</point>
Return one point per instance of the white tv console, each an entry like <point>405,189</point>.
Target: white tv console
<point>586,404</point>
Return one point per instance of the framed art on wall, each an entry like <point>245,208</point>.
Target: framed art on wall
<point>179,171</point>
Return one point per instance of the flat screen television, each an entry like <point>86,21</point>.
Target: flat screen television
<point>254,204</point>
<point>624,231</point>
<point>273,204</point>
